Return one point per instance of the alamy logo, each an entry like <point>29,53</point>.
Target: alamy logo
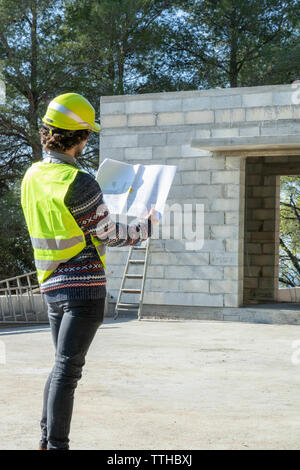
<point>187,224</point>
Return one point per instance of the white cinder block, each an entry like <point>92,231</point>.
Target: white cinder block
<point>210,163</point>
<point>222,259</point>
<point>119,141</point>
<point>208,300</point>
<point>232,245</point>
<point>194,285</point>
<point>151,139</point>
<point>198,117</point>
<point>283,98</point>
<point>182,259</point>
<point>237,114</point>
<point>214,218</point>
<point>213,245</point>
<point>182,163</point>
<point>195,177</point>
<point>224,231</point>
<point>155,271</point>
<point>232,101</point>
<point>210,191</point>
<point>174,245</point>
<point>114,283</point>
<point>233,163</point>
<point>114,153</point>
<point>196,103</point>
<point>257,99</point>
<point>232,218</point>
<point>181,192</point>
<point>225,132</point>
<point>117,257</point>
<point>222,115</point>
<point>284,112</point>
<point>154,297</point>
<point>188,151</point>
<point>167,105</point>
<point>170,119</point>
<point>179,272</point>
<point>114,120</point>
<point>137,153</point>
<point>225,177</point>
<point>231,272</point>
<point>139,106</point>
<point>296,111</point>
<point>164,285</point>
<point>209,272</point>
<point>141,119</point>
<point>250,131</point>
<point>230,115</point>
<point>231,300</point>
<point>223,286</point>
<point>202,133</point>
<point>167,151</point>
<point>225,204</point>
<point>112,108</point>
<point>179,138</point>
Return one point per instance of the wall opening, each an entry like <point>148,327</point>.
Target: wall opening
<point>288,239</point>
<point>269,183</point>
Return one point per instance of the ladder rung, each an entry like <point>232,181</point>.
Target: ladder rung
<point>137,261</point>
<point>139,247</point>
<point>120,309</point>
<point>134,276</point>
<point>127,305</point>
<point>131,291</point>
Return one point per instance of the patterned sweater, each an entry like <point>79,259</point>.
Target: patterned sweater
<point>83,276</point>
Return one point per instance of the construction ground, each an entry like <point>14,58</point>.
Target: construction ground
<point>162,385</point>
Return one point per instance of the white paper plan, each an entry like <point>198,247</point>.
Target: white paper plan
<point>134,189</point>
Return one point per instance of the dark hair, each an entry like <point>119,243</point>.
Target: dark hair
<point>61,139</point>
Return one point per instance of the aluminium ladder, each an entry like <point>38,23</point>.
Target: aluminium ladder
<point>21,301</point>
<point>143,248</point>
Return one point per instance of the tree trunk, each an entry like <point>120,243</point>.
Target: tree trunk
<point>233,68</point>
<point>33,104</point>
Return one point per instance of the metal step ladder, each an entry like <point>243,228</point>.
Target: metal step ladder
<point>143,248</point>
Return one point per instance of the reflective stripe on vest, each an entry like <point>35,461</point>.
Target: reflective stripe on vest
<point>55,234</point>
<point>54,244</point>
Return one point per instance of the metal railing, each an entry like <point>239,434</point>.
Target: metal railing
<point>21,299</point>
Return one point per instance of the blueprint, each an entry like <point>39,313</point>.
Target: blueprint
<point>134,189</point>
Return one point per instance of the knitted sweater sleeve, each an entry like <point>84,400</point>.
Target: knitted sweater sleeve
<point>85,202</point>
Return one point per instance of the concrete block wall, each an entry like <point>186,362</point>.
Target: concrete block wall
<point>159,128</point>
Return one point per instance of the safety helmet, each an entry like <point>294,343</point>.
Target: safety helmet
<point>71,111</point>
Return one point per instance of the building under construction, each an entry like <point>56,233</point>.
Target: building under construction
<point>230,146</point>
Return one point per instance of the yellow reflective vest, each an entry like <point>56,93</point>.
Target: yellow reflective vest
<point>55,235</point>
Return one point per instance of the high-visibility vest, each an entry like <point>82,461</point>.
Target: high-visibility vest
<point>55,235</point>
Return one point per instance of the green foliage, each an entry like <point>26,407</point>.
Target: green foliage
<point>289,252</point>
<point>233,42</point>
<point>16,255</point>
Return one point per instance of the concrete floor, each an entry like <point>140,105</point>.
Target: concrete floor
<point>162,385</point>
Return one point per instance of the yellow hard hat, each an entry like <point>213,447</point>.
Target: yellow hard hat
<point>71,111</point>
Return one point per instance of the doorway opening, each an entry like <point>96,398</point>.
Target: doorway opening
<point>272,230</point>
<point>288,239</point>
